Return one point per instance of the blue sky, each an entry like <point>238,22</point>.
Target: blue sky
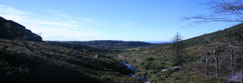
<point>129,20</point>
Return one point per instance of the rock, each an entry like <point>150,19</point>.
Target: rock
<point>171,68</point>
<point>164,69</point>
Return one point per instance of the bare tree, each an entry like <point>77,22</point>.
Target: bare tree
<point>177,46</point>
<point>233,49</point>
<point>223,10</point>
<point>215,56</point>
<point>212,50</point>
<point>177,39</point>
<point>207,55</point>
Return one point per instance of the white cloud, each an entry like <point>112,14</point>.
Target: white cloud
<point>128,24</point>
<point>10,10</point>
<point>65,34</point>
<point>53,25</point>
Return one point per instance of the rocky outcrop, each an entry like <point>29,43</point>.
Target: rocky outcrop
<point>12,30</point>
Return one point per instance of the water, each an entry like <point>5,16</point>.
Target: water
<point>237,77</point>
<point>129,66</point>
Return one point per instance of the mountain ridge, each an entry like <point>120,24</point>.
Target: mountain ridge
<point>12,30</point>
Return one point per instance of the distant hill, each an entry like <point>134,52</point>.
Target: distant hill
<point>159,42</point>
<point>113,44</point>
<point>12,30</point>
<point>23,59</point>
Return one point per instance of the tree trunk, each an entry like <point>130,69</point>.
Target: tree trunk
<point>232,61</point>
<point>241,77</point>
<point>206,64</point>
<point>177,52</point>
<point>216,65</point>
<point>216,60</point>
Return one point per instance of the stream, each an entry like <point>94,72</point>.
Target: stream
<point>129,66</point>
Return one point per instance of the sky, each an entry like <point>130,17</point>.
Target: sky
<point>128,20</point>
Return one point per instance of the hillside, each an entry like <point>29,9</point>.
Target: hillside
<point>24,59</point>
<point>112,44</point>
<point>157,62</point>
<point>12,30</point>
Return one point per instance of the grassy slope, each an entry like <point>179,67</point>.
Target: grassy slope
<point>51,62</point>
<point>152,59</point>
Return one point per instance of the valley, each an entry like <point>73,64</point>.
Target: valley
<point>26,58</point>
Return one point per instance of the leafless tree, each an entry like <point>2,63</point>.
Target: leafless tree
<point>233,49</point>
<point>215,56</point>
<point>223,10</point>
<point>177,39</point>
<point>177,47</point>
<point>212,50</point>
<point>207,55</point>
